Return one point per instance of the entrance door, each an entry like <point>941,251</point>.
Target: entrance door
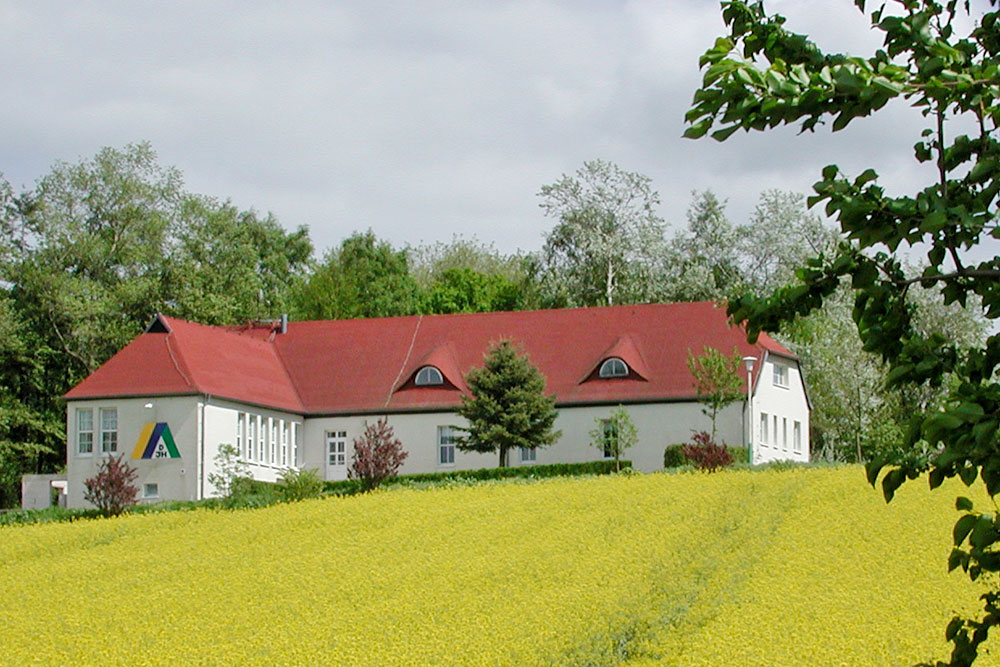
<point>336,454</point>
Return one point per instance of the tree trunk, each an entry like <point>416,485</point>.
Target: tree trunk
<point>503,456</point>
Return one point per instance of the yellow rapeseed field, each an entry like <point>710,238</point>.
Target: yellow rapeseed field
<point>797,567</point>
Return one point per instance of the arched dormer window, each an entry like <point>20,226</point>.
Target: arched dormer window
<point>613,368</point>
<point>428,376</point>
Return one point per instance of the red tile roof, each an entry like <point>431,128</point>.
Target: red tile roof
<point>367,366</point>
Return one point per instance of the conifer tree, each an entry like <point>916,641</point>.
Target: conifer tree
<point>506,406</point>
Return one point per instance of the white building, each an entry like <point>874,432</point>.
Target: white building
<point>296,395</point>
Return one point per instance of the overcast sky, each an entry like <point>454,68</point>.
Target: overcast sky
<point>419,120</point>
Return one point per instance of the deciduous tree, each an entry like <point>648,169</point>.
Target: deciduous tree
<point>365,277</point>
<point>608,238</point>
<point>717,380</point>
<point>378,455</point>
<point>614,434</point>
<point>761,75</point>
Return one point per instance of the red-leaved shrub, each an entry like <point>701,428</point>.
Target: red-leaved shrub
<point>705,454</point>
<point>378,454</point>
<point>112,490</point>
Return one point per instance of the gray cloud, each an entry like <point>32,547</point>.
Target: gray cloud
<point>418,120</point>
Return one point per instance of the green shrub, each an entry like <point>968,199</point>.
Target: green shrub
<point>246,492</point>
<point>740,454</point>
<point>673,456</point>
<point>299,484</point>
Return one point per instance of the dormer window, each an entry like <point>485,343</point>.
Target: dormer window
<point>613,368</point>
<point>428,376</point>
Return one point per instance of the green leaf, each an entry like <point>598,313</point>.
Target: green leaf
<point>969,474</point>
<point>866,176</point>
<point>963,504</point>
<point>724,133</point>
<point>962,528</point>
<point>954,626</point>
<point>698,130</point>
<point>983,534</point>
<point>891,482</point>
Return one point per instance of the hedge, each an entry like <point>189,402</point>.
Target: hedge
<point>351,486</point>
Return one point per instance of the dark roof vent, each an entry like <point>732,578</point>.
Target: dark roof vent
<point>157,325</point>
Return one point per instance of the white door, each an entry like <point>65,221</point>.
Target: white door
<point>336,454</point>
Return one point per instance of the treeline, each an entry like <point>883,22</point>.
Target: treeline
<point>97,247</point>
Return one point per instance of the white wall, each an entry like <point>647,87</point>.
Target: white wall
<point>658,425</point>
<point>175,478</point>
<point>783,406</point>
<point>221,428</point>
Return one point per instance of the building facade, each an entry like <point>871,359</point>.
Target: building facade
<point>297,394</point>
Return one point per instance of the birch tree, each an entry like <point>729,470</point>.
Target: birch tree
<point>609,238</point>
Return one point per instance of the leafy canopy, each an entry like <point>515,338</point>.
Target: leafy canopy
<point>761,75</point>
<point>717,380</point>
<point>506,406</point>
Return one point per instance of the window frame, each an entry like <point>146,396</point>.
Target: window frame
<point>423,377</point>
<point>797,437</point>
<point>81,431</point>
<point>107,450</point>
<point>764,429</point>
<point>284,442</point>
<point>446,443</point>
<point>155,486</point>
<point>336,457</point>
<point>529,454</point>
<point>779,375</point>
<point>611,374</point>
<point>274,440</point>
<point>240,435</point>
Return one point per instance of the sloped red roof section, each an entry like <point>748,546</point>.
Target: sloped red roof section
<point>195,359</point>
<point>359,366</point>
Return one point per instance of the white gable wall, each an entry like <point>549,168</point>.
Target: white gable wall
<point>783,406</point>
<point>175,478</point>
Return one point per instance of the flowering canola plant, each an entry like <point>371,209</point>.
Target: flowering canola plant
<point>804,566</point>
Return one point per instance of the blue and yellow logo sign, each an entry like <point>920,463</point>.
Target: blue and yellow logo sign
<point>155,442</point>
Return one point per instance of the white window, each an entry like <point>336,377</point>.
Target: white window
<point>109,430</point>
<point>151,490</point>
<point>797,437</point>
<point>85,431</point>
<point>274,441</point>
<point>261,425</point>
<point>613,368</point>
<point>774,431</point>
<point>528,454</point>
<point>446,445</point>
<point>428,376</point>
<point>265,440</point>
<point>251,436</point>
<point>784,433</point>
<point>763,428</point>
<point>284,443</point>
<point>780,375</point>
<point>293,435</point>
<point>240,442</point>
<point>336,448</point>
